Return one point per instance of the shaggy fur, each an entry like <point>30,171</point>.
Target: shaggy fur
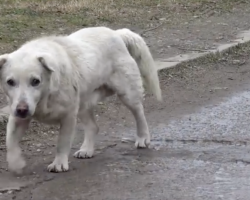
<point>58,79</point>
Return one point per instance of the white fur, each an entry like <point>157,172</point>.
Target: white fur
<point>75,73</point>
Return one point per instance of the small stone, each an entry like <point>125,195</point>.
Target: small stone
<point>223,24</point>
<point>38,150</point>
<point>127,140</point>
<point>39,145</point>
<point>236,61</point>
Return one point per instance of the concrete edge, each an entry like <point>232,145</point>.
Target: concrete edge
<point>242,38</point>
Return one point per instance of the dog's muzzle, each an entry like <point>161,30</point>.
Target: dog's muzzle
<point>22,110</point>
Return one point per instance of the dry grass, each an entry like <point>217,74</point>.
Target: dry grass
<point>103,6</point>
<point>22,19</point>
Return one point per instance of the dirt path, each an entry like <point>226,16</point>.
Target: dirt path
<point>118,171</point>
<point>198,35</point>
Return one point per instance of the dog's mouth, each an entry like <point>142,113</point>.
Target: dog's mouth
<point>23,118</point>
<point>21,121</point>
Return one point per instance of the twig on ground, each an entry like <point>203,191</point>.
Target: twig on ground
<point>187,49</point>
<point>2,147</point>
<point>142,33</point>
<point>127,140</point>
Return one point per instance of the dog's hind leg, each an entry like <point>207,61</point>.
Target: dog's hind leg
<point>90,129</point>
<point>136,107</point>
<point>128,85</point>
<point>65,138</point>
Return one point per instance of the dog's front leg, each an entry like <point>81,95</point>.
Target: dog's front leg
<point>65,138</point>
<point>15,130</point>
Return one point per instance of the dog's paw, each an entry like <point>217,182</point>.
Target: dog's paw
<point>59,165</point>
<point>16,163</point>
<point>84,153</point>
<point>142,142</point>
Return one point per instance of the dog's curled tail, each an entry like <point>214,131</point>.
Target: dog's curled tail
<point>139,50</point>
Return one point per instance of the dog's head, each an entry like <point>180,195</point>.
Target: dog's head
<point>24,78</point>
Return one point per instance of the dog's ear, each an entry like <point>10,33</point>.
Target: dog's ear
<point>3,60</point>
<point>45,64</point>
<point>50,64</point>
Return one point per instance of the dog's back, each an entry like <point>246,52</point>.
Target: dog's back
<point>113,42</point>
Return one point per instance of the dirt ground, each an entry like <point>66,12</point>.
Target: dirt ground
<point>185,89</point>
<point>169,26</point>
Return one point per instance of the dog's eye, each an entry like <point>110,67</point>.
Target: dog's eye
<point>11,82</point>
<point>35,82</point>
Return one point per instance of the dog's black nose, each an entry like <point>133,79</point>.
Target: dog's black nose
<point>22,110</point>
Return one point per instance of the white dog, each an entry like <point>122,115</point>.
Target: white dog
<point>58,79</point>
